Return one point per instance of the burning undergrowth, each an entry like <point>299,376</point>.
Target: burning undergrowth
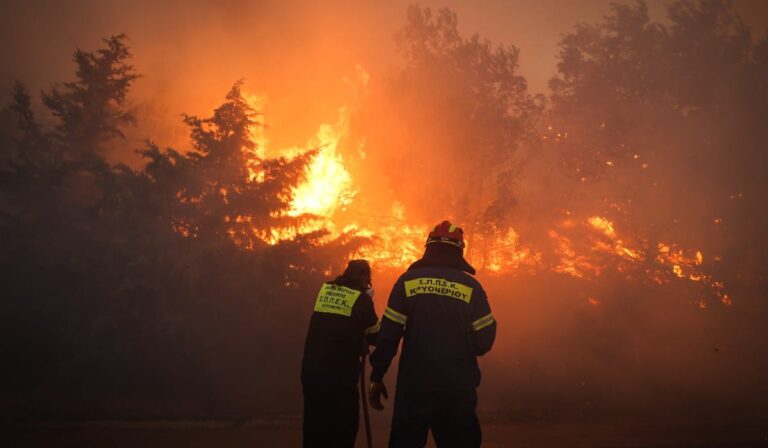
<point>326,199</point>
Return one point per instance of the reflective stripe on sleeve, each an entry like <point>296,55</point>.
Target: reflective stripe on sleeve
<point>483,322</point>
<point>395,316</point>
<point>373,328</point>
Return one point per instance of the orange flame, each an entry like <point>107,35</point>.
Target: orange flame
<point>582,248</point>
<point>328,183</point>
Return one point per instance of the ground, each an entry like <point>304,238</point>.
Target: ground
<point>286,432</point>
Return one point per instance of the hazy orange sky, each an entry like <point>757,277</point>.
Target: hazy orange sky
<point>297,53</point>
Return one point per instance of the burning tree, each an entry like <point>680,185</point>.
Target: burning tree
<point>454,117</point>
<point>647,133</point>
<point>222,189</point>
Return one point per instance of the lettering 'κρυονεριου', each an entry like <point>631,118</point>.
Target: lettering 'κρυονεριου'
<point>439,287</point>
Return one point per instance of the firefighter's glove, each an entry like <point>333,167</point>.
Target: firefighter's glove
<point>375,391</point>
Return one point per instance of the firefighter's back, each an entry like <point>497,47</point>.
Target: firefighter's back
<point>342,320</point>
<point>438,352</point>
<point>441,313</point>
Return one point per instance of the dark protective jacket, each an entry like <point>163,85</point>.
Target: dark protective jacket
<point>442,313</point>
<point>342,325</point>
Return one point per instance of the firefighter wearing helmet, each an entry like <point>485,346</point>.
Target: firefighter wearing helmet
<point>343,323</point>
<point>442,313</point>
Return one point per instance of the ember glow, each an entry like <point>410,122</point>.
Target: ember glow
<point>583,248</point>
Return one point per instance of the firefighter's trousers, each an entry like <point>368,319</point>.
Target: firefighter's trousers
<point>331,418</point>
<point>451,415</point>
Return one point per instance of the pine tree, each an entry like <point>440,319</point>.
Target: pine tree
<point>91,109</point>
<point>214,192</point>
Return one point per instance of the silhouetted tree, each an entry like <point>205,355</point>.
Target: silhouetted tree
<point>158,283</point>
<point>661,123</point>
<point>91,108</point>
<point>222,186</point>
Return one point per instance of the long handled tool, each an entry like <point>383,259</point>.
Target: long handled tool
<point>364,397</point>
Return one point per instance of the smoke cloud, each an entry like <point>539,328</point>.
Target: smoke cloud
<point>606,162</point>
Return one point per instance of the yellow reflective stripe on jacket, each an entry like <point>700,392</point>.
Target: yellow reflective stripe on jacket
<point>373,328</point>
<point>336,299</point>
<point>395,316</point>
<point>483,322</point>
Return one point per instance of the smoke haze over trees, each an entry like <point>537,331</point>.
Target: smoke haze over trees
<point>160,290</point>
<point>130,282</point>
<point>468,113</point>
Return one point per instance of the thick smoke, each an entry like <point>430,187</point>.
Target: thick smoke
<point>136,286</point>
<point>640,128</point>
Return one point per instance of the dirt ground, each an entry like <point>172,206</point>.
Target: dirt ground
<point>287,433</point>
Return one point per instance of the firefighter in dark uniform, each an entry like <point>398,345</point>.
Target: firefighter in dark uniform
<point>342,326</point>
<point>442,313</point>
